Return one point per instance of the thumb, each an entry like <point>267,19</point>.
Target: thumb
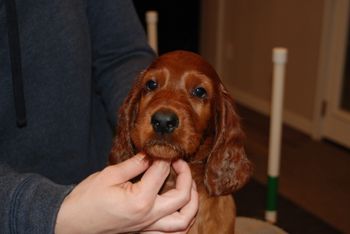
<point>126,170</point>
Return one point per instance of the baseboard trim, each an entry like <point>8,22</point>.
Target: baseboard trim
<point>257,104</point>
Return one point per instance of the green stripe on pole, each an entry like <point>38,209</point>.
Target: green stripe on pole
<point>272,185</point>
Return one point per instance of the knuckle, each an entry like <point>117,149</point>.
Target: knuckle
<point>142,206</point>
<point>185,197</point>
<point>107,170</point>
<point>183,222</point>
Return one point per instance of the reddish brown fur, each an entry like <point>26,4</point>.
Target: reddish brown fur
<point>209,135</point>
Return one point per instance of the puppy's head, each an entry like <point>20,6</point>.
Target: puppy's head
<point>176,105</point>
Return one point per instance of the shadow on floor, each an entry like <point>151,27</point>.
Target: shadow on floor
<point>251,200</point>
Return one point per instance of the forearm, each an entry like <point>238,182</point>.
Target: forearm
<point>28,202</point>
<point>119,48</point>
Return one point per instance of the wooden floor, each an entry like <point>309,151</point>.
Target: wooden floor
<point>314,175</point>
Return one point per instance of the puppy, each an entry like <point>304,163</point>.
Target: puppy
<point>179,108</point>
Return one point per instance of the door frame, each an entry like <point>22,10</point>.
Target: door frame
<point>331,67</point>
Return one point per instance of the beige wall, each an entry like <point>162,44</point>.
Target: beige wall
<point>209,32</point>
<point>250,30</point>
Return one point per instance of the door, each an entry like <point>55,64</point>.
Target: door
<point>178,23</point>
<point>336,123</point>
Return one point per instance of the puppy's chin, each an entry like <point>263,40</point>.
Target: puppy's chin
<point>163,150</point>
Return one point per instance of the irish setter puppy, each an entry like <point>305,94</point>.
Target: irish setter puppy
<point>178,108</point>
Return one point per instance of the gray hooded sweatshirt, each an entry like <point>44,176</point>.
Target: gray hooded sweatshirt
<point>78,59</point>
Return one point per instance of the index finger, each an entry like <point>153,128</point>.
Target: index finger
<point>176,198</point>
<point>184,176</point>
<point>126,170</point>
<point>154,177</point>
<point>180,219</point>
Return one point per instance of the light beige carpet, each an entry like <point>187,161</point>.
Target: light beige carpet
<point>246,225</point>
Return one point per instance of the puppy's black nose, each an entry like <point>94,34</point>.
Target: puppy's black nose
<point>164,122</point>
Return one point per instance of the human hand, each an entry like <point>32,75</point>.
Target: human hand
<point>107,202</point>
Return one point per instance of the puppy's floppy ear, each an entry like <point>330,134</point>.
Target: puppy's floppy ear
<point>122,147</point>
<point>227,167</point>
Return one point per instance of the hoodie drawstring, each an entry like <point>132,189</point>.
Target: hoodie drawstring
<point>16,65</point>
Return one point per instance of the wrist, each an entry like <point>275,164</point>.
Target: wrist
<point>59,226</point>
<point>64,219</point>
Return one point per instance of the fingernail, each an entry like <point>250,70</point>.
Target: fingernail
<point>165,165</point>
<point>141,158</point>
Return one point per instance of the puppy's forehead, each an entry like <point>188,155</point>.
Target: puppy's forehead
<point>180,62</point>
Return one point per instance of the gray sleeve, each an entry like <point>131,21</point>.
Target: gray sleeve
<point>29,203</point>
<point>119,49</point>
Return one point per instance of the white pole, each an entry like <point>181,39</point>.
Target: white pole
<point>152,20</point>
<point>279,59</point>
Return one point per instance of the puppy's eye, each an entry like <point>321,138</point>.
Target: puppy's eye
<point>199,92</point>
<point>151,85</point>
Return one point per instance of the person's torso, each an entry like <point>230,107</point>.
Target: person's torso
<point>66,132</point>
